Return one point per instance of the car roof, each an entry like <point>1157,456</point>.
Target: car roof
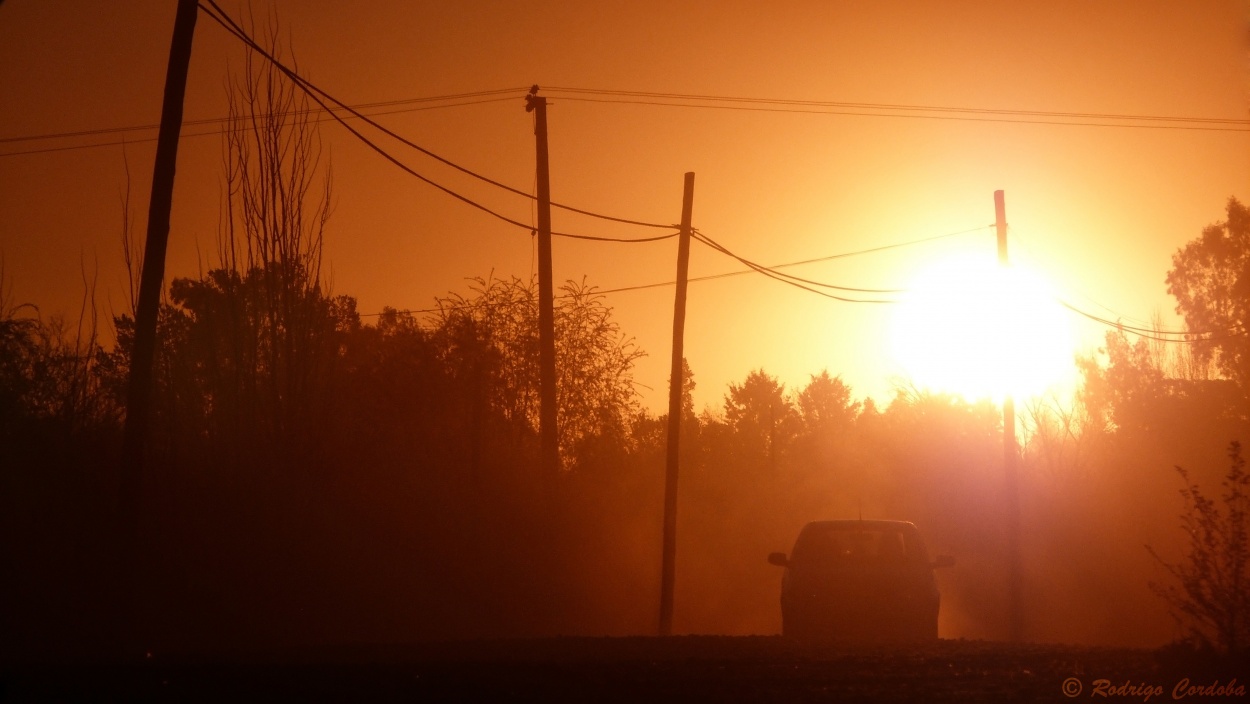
<point>868,525</point>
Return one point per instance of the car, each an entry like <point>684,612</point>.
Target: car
<point>859,580</point>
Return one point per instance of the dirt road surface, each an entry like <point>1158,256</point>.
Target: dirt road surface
<point>679,669</point>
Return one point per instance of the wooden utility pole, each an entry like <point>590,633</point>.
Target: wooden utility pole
<point>139,389</point>
<point>143,351</point>
<point>675,382</point>
<point>1015,613</point>
<point>548,447</point>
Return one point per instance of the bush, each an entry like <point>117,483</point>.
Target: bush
<point>1213,598</point>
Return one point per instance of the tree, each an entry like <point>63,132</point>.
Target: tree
<point>825,405</point>
<point>1149,387</point>
<point>258,366</point>
<point>760,414</point>
<point>826,416</point>
<point>1210,279</point>
<point>1213,595</point>
<point>51,370</point>
<point>278,200</point>
<point>1125,392</point>
<point>249,347</point>
<point>19,350</point>
<point>687,392</point>
<point>498,325</point>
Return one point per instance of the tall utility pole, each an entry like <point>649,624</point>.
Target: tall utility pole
<point>1015,614</point>
<point>675,382</point>
<point>152,275</point>
<point>139,389</point>
<point>548,447</point>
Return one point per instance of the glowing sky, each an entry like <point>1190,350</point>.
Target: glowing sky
<point>1098,210</point>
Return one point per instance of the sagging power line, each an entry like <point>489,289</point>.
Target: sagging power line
<point>792,280</point>
<point>1159,335</point>
<point>724,275</point>
<point>1143,329</point>
<point>321,97</point>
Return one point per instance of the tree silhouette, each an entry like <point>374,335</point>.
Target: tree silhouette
<point>594,372</point>
<point>826,415</point>
<point>825,405</point>
<point>761,416</point>
<point>1150,387</point>
<point>277,203</point>
<point>1213,594</point>
<point>1210,279</point>
<point>51,370</point>
<point>19,354</point>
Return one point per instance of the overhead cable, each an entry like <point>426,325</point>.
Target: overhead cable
<point>316,95</point>
<point>786,279</point>
<point>904,110</point>
<point>1185,337</point>
<point>309,86</point>
<point>764,269</point>
<point>320,117</point>
<point>289,113</point>
<point>728,274</point>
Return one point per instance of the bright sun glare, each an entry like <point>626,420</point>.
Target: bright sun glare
<point>970,327</point>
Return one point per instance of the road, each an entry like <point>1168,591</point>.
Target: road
<point>679,669</point>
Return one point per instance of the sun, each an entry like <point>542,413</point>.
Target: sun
<point>971,327</point>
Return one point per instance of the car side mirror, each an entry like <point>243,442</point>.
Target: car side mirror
<point>944,561</point>
<point>778,559</point>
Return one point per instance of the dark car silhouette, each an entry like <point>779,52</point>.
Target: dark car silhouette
<point>859,580</point>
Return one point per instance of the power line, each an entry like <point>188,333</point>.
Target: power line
<point>749,108</point>
<point>842,255</point>
<point>902,110</point>
<point>898,106</point>
<point>1022,240</point>
<point>289,113</point>
<point>884,247</point>
<point>795,281</point>
<point>321,117</point>
<point>1185,336</point>
<point>664,99</point>
<point>659,95</point>
<point>309,86</point>
<point>741,272</point>
<point>354,112</point>
<point>1154,332</point>
<point>790,277</point>
<point>773,274</point>
<point>316,94</point>
<point>1158,335</point>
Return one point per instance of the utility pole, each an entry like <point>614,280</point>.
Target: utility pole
<point>675,382</point>
<point>548,447</point>
<point>152,275</point>
<point>139,388</point>
<point>1015,613</point>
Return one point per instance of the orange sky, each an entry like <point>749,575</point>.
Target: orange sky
<point>1098,209</point>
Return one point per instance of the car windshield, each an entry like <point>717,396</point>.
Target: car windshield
<point>855,546</point>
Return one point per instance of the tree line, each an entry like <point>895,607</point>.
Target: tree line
<point>319,476</point>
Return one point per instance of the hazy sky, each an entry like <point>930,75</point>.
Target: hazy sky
<point>1099,210</point>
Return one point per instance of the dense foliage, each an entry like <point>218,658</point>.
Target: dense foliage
<point>316,477</point>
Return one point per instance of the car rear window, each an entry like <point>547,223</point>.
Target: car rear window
<point>849,545</point>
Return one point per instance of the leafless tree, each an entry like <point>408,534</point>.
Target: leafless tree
<point>275,205</point>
